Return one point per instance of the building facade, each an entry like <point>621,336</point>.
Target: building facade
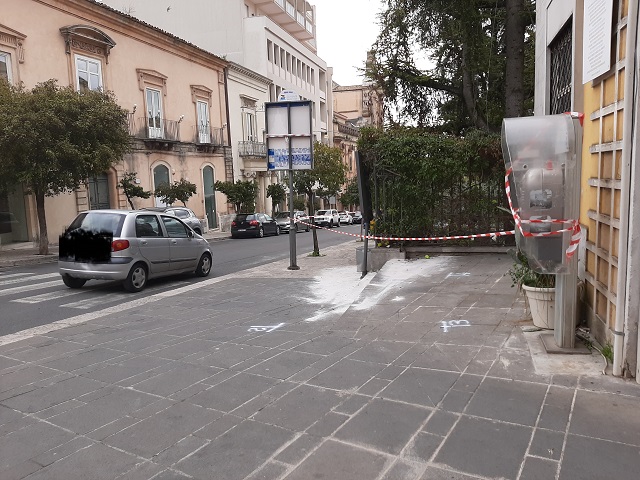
<point>275,39</point>
<point>174,92</point>
<point>587,61</point>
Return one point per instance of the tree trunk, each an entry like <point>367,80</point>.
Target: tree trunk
<point>515,28</point>
<point>130,202</point>
<point>312,211</point>
<point>469,94</point>
<point>43,248</point>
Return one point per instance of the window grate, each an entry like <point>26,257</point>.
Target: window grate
<point>560,50</point>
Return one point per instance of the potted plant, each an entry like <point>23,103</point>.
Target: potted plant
<point>539,289</point>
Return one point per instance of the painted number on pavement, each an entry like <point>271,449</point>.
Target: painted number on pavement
<point>446,325</point>
<point>264,328</point>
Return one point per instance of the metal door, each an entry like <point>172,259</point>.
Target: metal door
<point>184,248</point>
<point>209,196</point>
<point>160,176</point>
<point>153,244</point>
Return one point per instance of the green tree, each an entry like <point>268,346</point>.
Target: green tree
<point>181,191</point>
<point>131,189</point>
<point>242,194</point>
<point>481,57</point>
<point>54,138</point>
<point>328,174</point>
<point>277,193</point>
<point>299,204</point>
<point>351,195</point>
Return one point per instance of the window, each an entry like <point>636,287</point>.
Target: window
<point>148,226</point>
<point>5,67</point>
<point>560,53</point>
<point>269,51</point>
<point>204,132</point>
<point>250,127</point>
<point>154,113</point>
<point>175,228</point>
<point>88,74</point>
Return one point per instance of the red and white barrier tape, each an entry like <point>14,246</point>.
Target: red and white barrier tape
<point>575,225</point>
<point>492,235</point>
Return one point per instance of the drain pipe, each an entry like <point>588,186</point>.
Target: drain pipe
<point>619,360</point>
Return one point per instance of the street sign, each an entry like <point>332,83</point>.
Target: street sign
<point>289,137</point>
<point>288,96</point>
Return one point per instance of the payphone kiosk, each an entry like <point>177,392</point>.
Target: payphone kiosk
<point>542,158</point>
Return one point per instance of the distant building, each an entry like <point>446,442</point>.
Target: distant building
<point>173,90</point>
<point>275,39</point>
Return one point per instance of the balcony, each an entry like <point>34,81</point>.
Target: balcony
<point>295,16</point>
<point>157,133</point>
<point>252,149</point>
<point>207,138</point>
<point>348,130</point>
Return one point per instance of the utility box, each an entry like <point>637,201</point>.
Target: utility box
<point>540,154</point>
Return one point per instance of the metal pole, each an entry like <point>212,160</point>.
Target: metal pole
<point>365,251</point>
<point>292,229</point>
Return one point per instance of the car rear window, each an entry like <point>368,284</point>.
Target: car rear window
<point>99,222</point>
<point>182,213</point>
<point>242,217</point>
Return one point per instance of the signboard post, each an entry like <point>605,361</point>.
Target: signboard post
<point>289,147</point>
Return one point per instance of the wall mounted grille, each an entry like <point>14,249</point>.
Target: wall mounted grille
<point>560,51</point>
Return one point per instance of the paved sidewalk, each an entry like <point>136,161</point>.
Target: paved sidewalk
<point>315,373</point>
<point>26,253</point>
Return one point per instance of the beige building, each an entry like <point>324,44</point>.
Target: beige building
<point>354,106</point>
<point>174,91</point>
<point>587,60</point>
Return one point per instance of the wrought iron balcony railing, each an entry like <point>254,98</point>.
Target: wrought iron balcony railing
<point>252,149</point>
<point>154,129</point>
<point>207,135</point>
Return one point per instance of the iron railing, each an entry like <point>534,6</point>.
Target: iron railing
<point>207,135</point>
<point>348,129</point>
<point>156,129</point>
<point>252,149</point>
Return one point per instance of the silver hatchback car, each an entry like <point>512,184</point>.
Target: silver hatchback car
<point>130,246</point>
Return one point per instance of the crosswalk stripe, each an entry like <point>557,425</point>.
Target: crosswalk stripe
<point>9,275</point>
<point>28,288</point>
<point>88,303</point>
<point>43,297</point>
<point>29,279</point>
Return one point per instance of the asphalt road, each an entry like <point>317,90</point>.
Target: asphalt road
<point>35,295</point>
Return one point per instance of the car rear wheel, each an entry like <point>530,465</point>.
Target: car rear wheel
<point>261,232</point>
<point>277,231</point>
<point>198,231</point>
<point>137,278</point>
<point>331,223</point>
<point>73,282</point>
<point>204,265</point>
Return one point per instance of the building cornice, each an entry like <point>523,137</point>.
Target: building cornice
<point>234,67</point>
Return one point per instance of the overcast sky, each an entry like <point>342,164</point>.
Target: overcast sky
<point>345,30</point>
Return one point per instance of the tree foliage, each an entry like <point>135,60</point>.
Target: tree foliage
<point>54,138</point>
<point>475,51</point>
<point>277,193</point>
<point>427,183</point>
<point>180,191</point>
<point>242,194</point>
<point>327,176</point>
<point>132,190</point>
<point>351,195</point>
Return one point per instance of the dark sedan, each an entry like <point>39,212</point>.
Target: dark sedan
<point>253,225</point>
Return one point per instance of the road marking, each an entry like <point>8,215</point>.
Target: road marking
<point>264,328</point>
<point>87,303</point>
<point>30,278</point>
<point>28,288</point>
<point>43,297</point>
<point>445,326</point>
<point>465,274</point>
<point>9,275</point>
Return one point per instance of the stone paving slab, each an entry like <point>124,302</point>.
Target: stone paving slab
<point>419,372</point>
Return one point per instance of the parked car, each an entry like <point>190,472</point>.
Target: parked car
<point>253,225</point>
<point>327,218</point>
<point>345,218</point>
<point>357,217</point>
<point>282,219</point>
<point>183,213</point>
<point>130,246</point>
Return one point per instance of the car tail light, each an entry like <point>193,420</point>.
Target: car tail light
<point>118,245</point>
<point>254,223</point>
<point>233,224</point>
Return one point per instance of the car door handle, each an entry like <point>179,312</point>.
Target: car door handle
<point>143,242</point>
<point>174,242</point>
